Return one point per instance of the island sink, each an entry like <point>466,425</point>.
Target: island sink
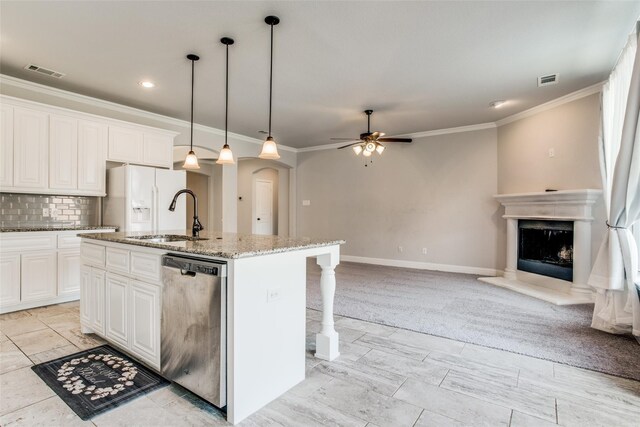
<point>167,238</point>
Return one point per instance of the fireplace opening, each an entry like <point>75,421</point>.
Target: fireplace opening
<point>546,248</point>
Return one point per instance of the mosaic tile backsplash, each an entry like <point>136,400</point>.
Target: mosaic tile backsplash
<point>38,210</point>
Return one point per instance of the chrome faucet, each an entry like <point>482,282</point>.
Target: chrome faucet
<point>197,227</point>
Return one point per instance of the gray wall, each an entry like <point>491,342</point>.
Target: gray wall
<point>434,193</point>
<point>570,129</point>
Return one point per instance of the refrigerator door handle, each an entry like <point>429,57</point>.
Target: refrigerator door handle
<point>155,207</point>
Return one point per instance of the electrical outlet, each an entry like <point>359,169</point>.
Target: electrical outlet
<point>306,203</point>
<point>424,251</point>
<point>552,152</point>
<point>400,249</point>
<point>274,294</point>
<point>46,212</point>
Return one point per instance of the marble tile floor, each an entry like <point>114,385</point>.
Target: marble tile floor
<point>384,377</point>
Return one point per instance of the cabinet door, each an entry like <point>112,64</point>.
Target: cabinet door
<point>63,152</point>
<point>116,322</point>
<point>97,302</point>
<point>92,148</point>
<point>158,150</point>
<point>68,271</point>
<point>9,279</point>
<point>6,146</point>
<point>145,321</point>
<point>85,295</point>
<point>38,271</point>
<point>30,148</point>
<point>125,145</point>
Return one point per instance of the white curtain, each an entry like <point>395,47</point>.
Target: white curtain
<point>615,273</point>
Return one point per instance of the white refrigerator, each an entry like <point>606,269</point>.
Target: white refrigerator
<point>138,199</point>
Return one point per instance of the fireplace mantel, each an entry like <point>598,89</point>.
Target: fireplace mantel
<point>563,205</point>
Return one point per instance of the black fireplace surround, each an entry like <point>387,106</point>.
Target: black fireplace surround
<point>546,248</point>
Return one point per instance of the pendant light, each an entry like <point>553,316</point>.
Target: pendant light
<point>226,156</point>
<point>191,162</point>
<point>269,148</point>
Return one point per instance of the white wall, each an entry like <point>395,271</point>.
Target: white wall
<point>435,193</point>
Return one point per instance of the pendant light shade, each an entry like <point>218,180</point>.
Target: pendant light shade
<point>269,148</point>
<point>226,156</point>
<point>191,162</point>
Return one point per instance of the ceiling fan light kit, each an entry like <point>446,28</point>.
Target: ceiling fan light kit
<point>370,141</point>
<point>191,161</point>
<point>226,156</point>
<point>269,148</point>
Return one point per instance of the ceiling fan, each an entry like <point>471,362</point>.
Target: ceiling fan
<point>369,141</point>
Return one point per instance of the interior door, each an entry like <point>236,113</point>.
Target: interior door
<point>263,212</point>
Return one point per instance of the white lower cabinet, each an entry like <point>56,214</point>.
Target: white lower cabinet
<point>130,307</point>
<point>145,321</point>
<point>68,271</point>
<point>38,274</point>
<point>117,288</point>
<point>9,279</point>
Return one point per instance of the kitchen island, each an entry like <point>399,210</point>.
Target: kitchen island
<point>265,304</point>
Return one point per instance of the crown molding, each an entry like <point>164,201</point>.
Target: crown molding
<point>112,106</point>
<point>573,96</point>
<point>428,133</point>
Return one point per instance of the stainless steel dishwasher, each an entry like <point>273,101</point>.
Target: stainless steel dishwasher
<point>193,332</point>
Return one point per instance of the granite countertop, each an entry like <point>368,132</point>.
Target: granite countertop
<point>55,228</point>
<point>218,244</point>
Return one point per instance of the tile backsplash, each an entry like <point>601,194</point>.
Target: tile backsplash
<point>41,210</point>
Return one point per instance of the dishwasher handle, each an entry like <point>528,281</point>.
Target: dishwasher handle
<point>193,266</point>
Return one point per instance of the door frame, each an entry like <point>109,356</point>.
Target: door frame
<point>254,198</point>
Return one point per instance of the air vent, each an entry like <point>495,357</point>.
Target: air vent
<point>45,71</point>
<point>550,79</point>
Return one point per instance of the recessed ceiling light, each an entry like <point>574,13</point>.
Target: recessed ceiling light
<point>147,84</point>
<point>497,104</point>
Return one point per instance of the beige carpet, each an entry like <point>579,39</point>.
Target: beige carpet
<point>460,307</point>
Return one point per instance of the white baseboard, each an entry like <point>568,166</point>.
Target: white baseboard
<point>422,265</point>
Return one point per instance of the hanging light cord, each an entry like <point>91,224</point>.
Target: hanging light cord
<point>226,102</point>
<point>193,63</point>
<point>271,80</point>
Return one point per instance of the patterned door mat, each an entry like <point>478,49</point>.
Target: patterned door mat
<point>96,380</point>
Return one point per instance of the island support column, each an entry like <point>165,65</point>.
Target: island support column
<point>327,339</point>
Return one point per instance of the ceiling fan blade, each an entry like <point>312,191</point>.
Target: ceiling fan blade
<point>394,139</point>
<point>349,145</point>
<point>343,139</point>
<point>376,135</point>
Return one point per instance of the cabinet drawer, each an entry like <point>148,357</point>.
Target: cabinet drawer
<point>66,241</point>
<point>92,254</point>
<point>117,260</point>
<point>145,266</point>
<point>28,241</point>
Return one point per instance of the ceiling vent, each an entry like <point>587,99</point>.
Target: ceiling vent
<point>45,71</point>
<point>547,80</point>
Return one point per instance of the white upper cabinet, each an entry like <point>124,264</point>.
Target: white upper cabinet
<point>30,149</point>
<point>50,150</point>
<point>125,145</point>
<point>139,146</point>
<point>63,152</point>
<point>6,146</point>
<point>92,149</point>
<point>158,150</point>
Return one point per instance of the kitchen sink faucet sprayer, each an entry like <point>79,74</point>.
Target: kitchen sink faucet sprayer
<point>197,227</point>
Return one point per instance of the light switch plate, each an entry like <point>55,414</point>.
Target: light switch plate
<point>306,203</point>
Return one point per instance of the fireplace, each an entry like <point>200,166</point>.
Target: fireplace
<point>546,248</point>
<point>548,251</point>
